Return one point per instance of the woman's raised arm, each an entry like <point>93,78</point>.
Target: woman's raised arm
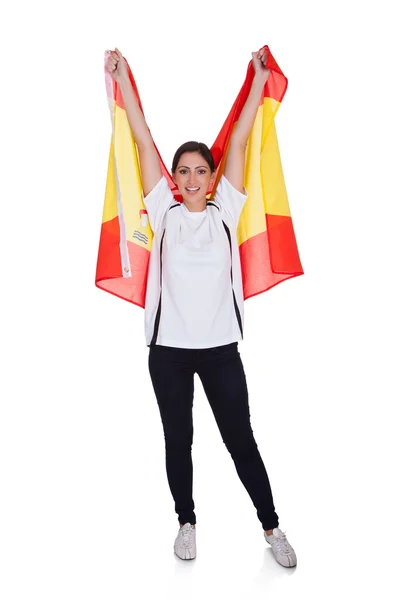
<point>150,168</point>
<point>235,159</point>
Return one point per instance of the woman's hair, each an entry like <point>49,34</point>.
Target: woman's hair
<point>198,147</point>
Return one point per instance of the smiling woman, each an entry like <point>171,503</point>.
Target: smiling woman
<point>194,312</point>
<point>193,171</point>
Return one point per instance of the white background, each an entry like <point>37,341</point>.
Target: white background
<point>86,511</point>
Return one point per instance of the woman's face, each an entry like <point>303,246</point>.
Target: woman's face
<point>193,177</point>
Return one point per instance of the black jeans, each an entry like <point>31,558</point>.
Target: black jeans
<point>222,375</point>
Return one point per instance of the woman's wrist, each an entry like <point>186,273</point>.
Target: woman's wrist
<point>262,75</point>
<point>123,79</point>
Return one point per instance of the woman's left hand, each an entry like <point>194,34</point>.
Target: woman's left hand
<point>259,60</point>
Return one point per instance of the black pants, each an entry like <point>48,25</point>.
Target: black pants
<point>221,372</point>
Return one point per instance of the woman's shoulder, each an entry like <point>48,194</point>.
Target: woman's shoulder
<point>160,187</point>
<point>225,187</point>
<point>157,203</point>
<point>229,201</point>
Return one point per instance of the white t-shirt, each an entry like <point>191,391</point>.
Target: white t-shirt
<point>192,299</point>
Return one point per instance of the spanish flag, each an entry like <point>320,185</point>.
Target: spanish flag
<point>265,234</point>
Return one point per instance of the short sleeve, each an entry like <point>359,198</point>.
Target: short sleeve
<point>157,203</point>
<point>229,200</point>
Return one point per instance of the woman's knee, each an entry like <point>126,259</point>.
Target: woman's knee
<point>178,443</point>
<point>242,449</point>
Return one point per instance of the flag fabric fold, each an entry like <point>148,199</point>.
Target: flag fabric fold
<point>265,234</point>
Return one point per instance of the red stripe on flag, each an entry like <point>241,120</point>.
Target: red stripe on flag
<point>109,269</point>
<point>282,241</point>
<point>258,273</point>
<point>109,257</point>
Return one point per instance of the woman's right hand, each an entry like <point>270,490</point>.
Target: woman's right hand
<point>116,65</point>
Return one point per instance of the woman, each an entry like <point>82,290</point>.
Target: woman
<point>194,307</point>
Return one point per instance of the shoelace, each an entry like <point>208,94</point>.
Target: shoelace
<point>282,544</point>
<point>186,536</point>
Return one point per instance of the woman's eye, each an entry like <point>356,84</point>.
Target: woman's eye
<point>184,171</point>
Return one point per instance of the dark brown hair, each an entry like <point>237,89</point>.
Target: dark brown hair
<point>198,147</point>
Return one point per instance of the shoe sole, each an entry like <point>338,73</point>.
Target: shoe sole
<point>190,558</point>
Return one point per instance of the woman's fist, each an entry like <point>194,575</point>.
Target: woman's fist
<point>259,60</point>
<point>116,65</point>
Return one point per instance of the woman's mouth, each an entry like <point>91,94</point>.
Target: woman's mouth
<point>192,190</point>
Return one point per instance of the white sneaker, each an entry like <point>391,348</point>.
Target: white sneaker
<point>283,551</point>
<point>185,543</point>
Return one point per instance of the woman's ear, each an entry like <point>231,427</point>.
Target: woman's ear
<point>211,184</point>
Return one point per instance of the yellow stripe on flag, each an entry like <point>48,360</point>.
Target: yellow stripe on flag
<point>110,208</point>
<point>274,189</point>
<point>129,180</point>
